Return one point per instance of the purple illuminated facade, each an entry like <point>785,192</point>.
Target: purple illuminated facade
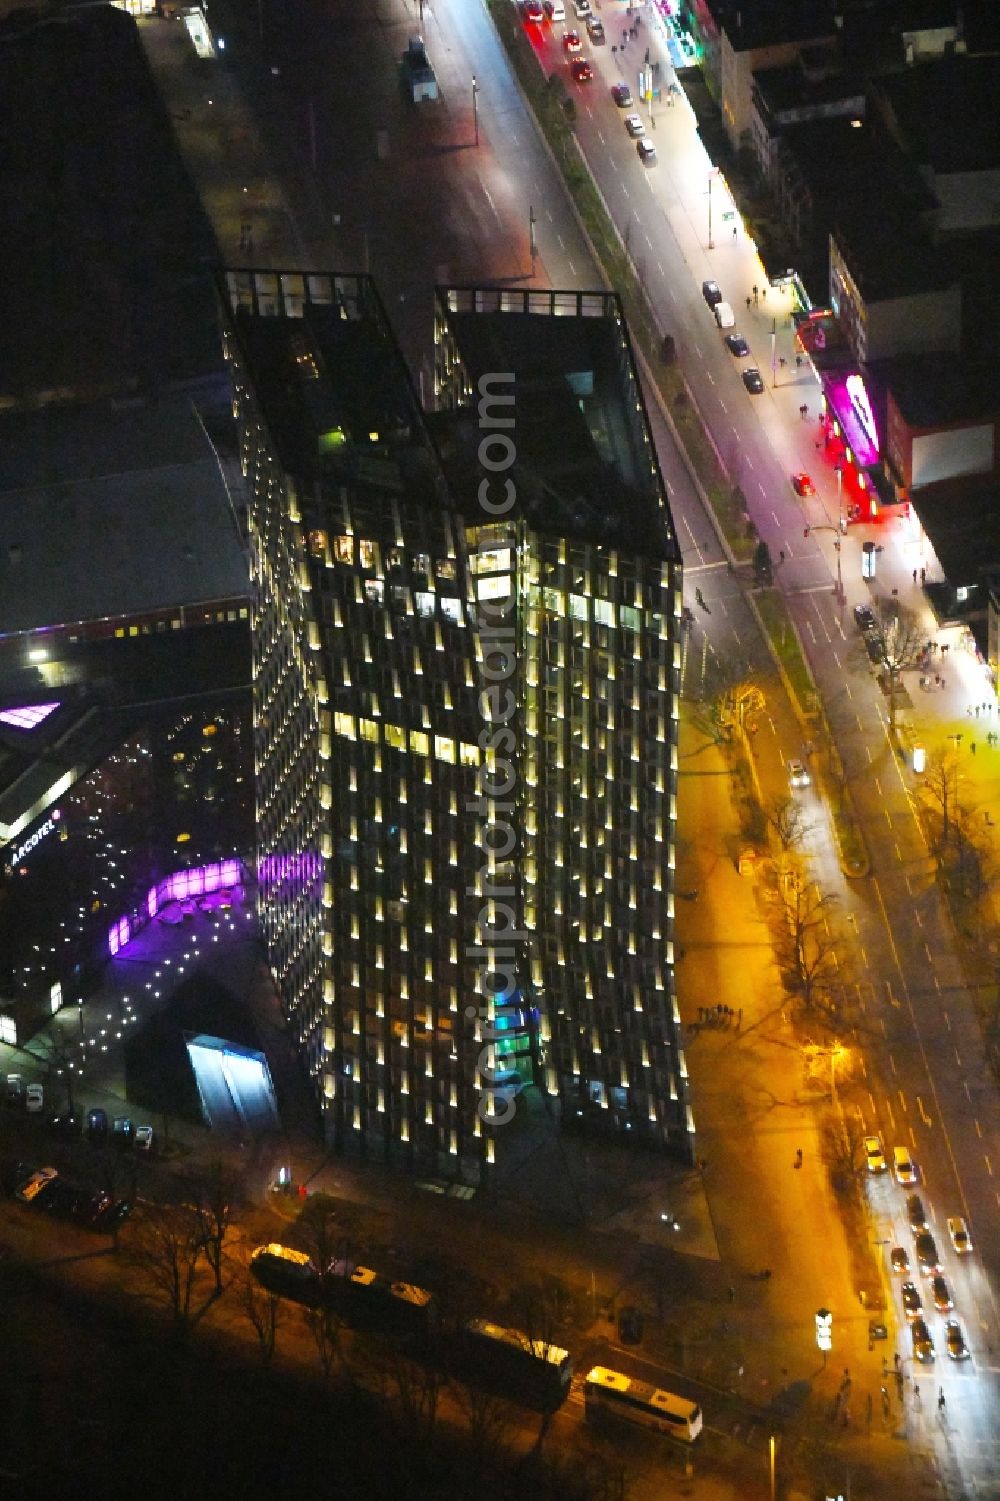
<point>182,884</point>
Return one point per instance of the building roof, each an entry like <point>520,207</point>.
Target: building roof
<point>963,528</point>
<point>934,391</point>
<point>332,385</point>
<point>753,24</point>
<point>104,284</point>
<point>585,461</point>
<point>942,108</point>
<point>795,88</point>
<point>138,488</point>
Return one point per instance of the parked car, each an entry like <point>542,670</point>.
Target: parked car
<point>875,647</point>
<point>874,1153</point>
<point>898,1260</point>
<point>122,1131</point>
<point>927,1253</point>
<point>803,485</point>
<point>753,380</point>
<point>711,293</point>
<point>915,1212</point>
<point>960,1237</point>
<point>29,1190</point>
<point>912,1304</point>
<point>571,41</point>
<point>116,1214</point>
<point>864,618</point>
<point>955,1340</point>
<point>595,30</point>
<point>647,152</point>
<point>622,95</point>
<point>34,1099</point>
<point>65,1124</point>
<point>144,1138</point>
<point>97,1126</point>
<point>14,1091</point>
<point>923,1345</point>
<point>737,345</point>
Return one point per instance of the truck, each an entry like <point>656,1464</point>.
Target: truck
<point>416,71</point>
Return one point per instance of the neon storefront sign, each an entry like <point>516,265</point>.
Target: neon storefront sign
<point>862,408</point>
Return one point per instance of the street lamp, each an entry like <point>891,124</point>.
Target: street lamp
<point>839,469</point>
<point>475,106</point>
<point>532,221</point>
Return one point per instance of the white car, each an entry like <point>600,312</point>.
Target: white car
<point>581,9</point>
<point>797,775</point>
<point>875,1154</point>
<point>34,1099</point>
<point>634,126</point>
<point>143,1139</point>
<point>960,1237</point>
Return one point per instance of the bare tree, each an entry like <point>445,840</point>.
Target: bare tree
<point>787,822</point>
<point>212,1194</point>
<point>939,790</point>
<point>263,1309</point>
<point>325,1326</point>
<point>412,1386</point>
<point>902,637</point>
<point>805,942</point>
<point>167,1246</point>
<point>489,1419</point>
<point>843,1150</point>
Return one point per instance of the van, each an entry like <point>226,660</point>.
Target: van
<point>555,10</point>
<point>724,315</point>
<point>902,1166</point>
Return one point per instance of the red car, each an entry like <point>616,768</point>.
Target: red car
<point>571,41</point>
<point>803,485</point>
<point>581,70</point>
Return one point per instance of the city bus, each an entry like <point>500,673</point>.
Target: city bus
<point>292,1274</point>
<point>610,1393</point>
<point>514,1365</point>
<point>369,1299</point>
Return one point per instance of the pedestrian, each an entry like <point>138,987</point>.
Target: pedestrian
<point>732,1295</point>
<point>941,1402</point>
<point>942,682</point>
<point>781,555</point>
<point>895,1360</point>
<point>916,1393</point>
<point>972,746</point>
<point>734,231</point>
<point>923,576</point>
<point>782,362</point>
<point>914,575</point>
<point>977,711</point>
<point>739,1020</point>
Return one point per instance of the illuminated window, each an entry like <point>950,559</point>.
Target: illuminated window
<point>367,729</point>
<point>493,588</point>
<point>451,609</point>
<point>631,619</point>
<point>343,724</point>
<point>395,736</point>
<point>577,607</point>
<point>424,603</point>
<point>604,612</point>
<point>444,748</point>
<point>468,755</point>
<point>491,562</point>
<point>343,549</point>
<point>317,544</point>
<point>374,591</point>
<point>368,554</point>
<point>420,743</point>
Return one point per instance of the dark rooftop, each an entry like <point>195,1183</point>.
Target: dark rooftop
<point>964,529</point>
<point>792,88</point>
<point>330,380</point>
<point>104,284</point>
<point>935,390</point>
<point>943,109</point>
<point>137,487</point>
<point>586,465</point>
<point>752,24</point>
